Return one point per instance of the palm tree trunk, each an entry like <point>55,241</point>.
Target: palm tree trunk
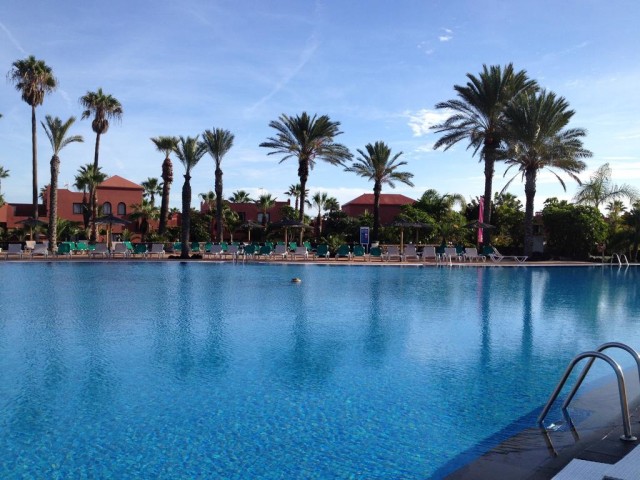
<point>489,164</point>
<point>34,161</point>
<point>53,204</point>
<point>167,169</point>
<point>303,173</point>
<point>530,193</point>
<point>377,188</point>
<point>218,189</point>
<point>186,216</point>
<point>93,236</point>
<point>95,154</point>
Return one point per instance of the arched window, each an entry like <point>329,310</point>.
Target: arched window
<point>106,208</point>
<point>122,209</point>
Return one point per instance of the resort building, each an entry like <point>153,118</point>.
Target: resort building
<point>390,204</point>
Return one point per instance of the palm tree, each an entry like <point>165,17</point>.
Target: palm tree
<point>599,189</point>
<point>82,183</point>
<point>306,139</point>
<point>89,178</point>
<point>189,151</point>
<point>378,165</point>
<point>152,187</point>
<point>103,107</point>
<point>218,142</point>
<point>295,191</point>
<point>437,205</point>
<point>332,204</point>
<point>3,174</point>
<point>56,132</point>
<point>537,139</point>
<point>33,79</point>
<point>264,203</point>
<point>319,200</point>
<point>144,212</point>
<point>165,145</point>
<point>240,196</point>
<point>478,116</point>
<point>209,199</point>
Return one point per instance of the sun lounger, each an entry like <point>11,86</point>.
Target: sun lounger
<point>248,251</point>
<point>157,249</point>
<point>322,251</point>
<point>343,252</point>
<point>375,252</point>
<point>232,251</point>
<point>409,253</point>
<point>64,249</point>
<point>471,255</point>
<point>451,254</point>
<point>40,249</point>
<point>280,251</point>
<point>393,253</point>
<point>214,251</point>
<point>358,252</point>
<point>29,245</point>
<point>497,257</point>
<point>300,252</point>
<point>265,251</point>
<point>429,253</point>
<point>14,249</point>
<point>100,250</point>
<point>120,249</point>
<point>140,249</point>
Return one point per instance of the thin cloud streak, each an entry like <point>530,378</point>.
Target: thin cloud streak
<point>13,39</point>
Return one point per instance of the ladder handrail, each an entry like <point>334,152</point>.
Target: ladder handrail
<point>585,370</point>
<point>626,422</point>
<point>619,257</point>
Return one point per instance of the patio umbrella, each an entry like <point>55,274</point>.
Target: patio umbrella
<point>32,223</point>
<point>287,224</point>
<point>110,220</point>
<point>402,224</point>
<point>250,225</point>
<point>477,224</point>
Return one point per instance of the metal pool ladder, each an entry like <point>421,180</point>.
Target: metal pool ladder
<point>620,257</point>
<point>593,355</point>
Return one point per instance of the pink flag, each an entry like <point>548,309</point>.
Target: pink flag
<point>480,218</point>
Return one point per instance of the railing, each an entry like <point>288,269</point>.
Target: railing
<point>622,390</point>
<point>620,257</point>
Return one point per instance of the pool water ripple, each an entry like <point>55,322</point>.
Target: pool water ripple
<point>176,370</point>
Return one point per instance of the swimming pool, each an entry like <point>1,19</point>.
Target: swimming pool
<point>194,370</point>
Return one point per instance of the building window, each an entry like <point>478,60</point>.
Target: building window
<point>77,209</point>
<point>242,216</point>
<point>106,208</point>
<point>122,209</point>
<point>261,216</point>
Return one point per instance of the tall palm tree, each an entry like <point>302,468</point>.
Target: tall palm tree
<point>152,187</point>
<point>439,205</point>
<point>218,142</point>
<point>332,204</point>
<point>209,199</point>
<point>537,139</point>
<point>166,145</point>
<point>295,191</point>
<point>377,165</point>
<point>103,107</point>
<point>33,79</point>
<point>240,196</point>
<point>189,151</point>
<point>306,139</point>
<point>319,201</point>
<point>56,132</point>
<point>599,189</point>
<point>264,203</point>
<point>89,178</point>
<point>478,117</point>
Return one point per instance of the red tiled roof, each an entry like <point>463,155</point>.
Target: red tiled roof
<point>385,199</point>
<point>118,182</point>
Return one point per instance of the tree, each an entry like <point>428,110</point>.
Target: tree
<point>240,196</point>
<point>306,139</point>
<point>632,220</point>
<point>165,145</point>
<point>218,142</point>
<point>264,203</point>
<point>332,204</point>
<point>189,151</point>
<point>209,199</point>
<point>295,191</point>
<point>478,117</point>
<point>144,212</point>
<point>56,132</point>
<point>599,189</point>
<point>439,205</point>
<point>33,79</point>
<point>82,183</point>
<point>152,187</point>
<point>319,200</point>
<point>377,165</point>
<point>89,178</point>
<point>572,231</point>
<point>103,107</point>
<point>537,139</point>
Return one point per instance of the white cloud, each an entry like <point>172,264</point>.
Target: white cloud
<point>448,35</point>
<point>421,121</point>
<point>12,39</point>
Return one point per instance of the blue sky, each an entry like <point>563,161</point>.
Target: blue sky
<point>377,67</point>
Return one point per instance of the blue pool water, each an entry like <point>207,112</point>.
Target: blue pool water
<point>173,370</point>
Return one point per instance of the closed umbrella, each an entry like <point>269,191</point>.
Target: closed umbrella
<point>110,220</point>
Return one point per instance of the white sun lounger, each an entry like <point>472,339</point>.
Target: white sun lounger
<point>101,249</point>
<point>157,249</point>
<point>39,249</point>
<point>496,256</point>
<point>393,252</point>
<point>14,249</point>
<point>300,251</point>
<point>429,252</point>
<point>409,252</point>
